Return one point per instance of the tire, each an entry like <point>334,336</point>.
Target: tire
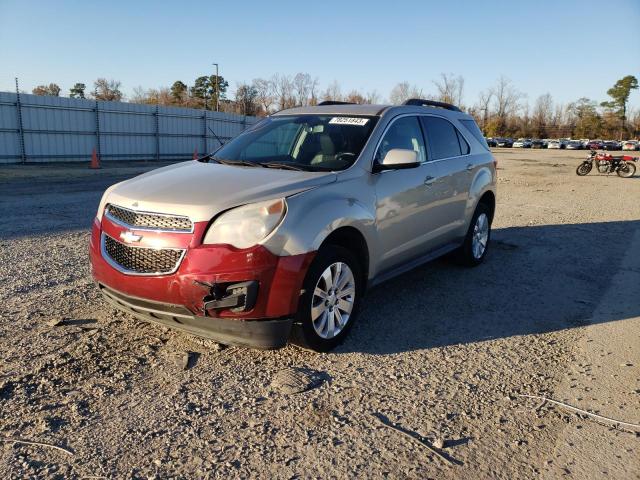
<point>583,169</point>
<point>626,170</point>
<point>309,329</point>
<point>468,253</point>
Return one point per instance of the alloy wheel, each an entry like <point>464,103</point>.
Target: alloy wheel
<point>480,236</point>
<point>333,300</point>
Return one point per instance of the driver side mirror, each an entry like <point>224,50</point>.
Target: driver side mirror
<point>398,158</point>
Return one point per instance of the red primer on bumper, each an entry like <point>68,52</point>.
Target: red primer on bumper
<point>280,278</point>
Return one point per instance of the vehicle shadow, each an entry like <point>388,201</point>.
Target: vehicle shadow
<point>535,279</point>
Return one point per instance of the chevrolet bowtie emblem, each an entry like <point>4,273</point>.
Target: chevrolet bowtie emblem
<point>130,237</point>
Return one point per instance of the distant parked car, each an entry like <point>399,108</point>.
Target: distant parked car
<point>522,143</point>
<point>555,144</point>
<point>630,145</point>
<point>595,144</point>
<point>538,144</point>
<point>574,145</point>
<point>491,142</point>
<point>611,145</point>
<point>504,142</point>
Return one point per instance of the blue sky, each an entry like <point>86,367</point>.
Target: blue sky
<point>568,48</point>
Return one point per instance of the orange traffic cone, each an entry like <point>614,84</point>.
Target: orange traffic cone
<point>195,154</point>
<point>95,162</point>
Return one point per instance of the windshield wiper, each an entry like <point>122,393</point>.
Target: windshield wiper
<point>284,166</point>
<point>244,163</point>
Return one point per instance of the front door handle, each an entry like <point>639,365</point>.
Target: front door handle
<point>470,166</point>
<point>429,180</point>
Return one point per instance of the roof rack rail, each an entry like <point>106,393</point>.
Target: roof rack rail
<point>334,102</point>
<point>419,102</point>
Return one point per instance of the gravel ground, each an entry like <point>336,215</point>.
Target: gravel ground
<point>426,385</point>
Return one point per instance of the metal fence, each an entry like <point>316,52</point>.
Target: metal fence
<point>52,129</point>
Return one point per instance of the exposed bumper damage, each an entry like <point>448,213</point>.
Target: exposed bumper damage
<point>240,297</point>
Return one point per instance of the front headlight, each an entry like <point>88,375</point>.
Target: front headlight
<point>245,226</point>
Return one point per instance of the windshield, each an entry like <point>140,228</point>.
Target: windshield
<point>306,142</point>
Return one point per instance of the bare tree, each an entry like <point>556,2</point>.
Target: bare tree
<point>246,102</point>
<point>354,96</point>
<point>313,92</point>
<point>506,102</point>
<point>304,87</point>
<point>283,89</point>
<point>372,97</point>
<point>558,119</point>
<point>333,92</point>
<point>107,90</point>
<point>264,93</point>
<point>483,105</point>
<point>51,90</point>
<point>152,96</point>
<point>403,91</point>
<point>450,88</point>
<point>541,116</point>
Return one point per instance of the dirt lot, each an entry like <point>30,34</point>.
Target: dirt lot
<point>441,352</point>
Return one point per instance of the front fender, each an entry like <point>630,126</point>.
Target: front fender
<point>313,215</point>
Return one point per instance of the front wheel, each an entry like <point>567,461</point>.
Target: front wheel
<point>476,242</point>
<point>626,170</point>
<point>333,288</point>
<point>583,169</point>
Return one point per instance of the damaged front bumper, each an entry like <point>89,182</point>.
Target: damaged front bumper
<point>266,334</point>
<point>234,296</point>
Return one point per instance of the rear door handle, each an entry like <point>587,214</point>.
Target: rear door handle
<point>429,180</point>
<point>470,166</point>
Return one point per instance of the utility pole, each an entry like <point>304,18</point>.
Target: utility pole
<point>217,92</point>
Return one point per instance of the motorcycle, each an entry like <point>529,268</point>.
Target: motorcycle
<point>623,165</point>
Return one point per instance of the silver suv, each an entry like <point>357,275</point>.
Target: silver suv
<point>277,235</point>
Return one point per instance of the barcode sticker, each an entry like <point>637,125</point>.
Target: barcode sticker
<point>361,122</point>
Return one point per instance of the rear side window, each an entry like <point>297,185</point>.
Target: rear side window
<point>473,129</point>
<point>464,146</point>
<point>442,138</point>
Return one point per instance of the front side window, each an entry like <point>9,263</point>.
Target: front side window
<point>404,133</point>
<point>443,138</point>
<point>306,142</point>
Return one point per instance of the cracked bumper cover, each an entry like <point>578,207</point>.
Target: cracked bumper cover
<point>265,334</point>
<point>179,300</point>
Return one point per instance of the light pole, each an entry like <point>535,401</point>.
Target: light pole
<point>217,92</point>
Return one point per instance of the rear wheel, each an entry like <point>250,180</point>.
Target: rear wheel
<point>626,170</point>
<point>330,303</point>
<point>583,169</point>
<point>476,242</point>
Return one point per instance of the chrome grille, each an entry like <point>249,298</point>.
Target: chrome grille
<point>140,260</point>
<point>148,220</point>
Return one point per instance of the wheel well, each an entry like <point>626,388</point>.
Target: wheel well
<point>351,239</point>
<point>489,199</point>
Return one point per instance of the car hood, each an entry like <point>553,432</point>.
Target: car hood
<point>202,190</point>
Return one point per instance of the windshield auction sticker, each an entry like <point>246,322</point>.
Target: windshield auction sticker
<point>349,121</point>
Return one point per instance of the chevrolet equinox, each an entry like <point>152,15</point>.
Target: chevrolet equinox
<point>277,234</point>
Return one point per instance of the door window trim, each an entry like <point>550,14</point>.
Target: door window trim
<point>386,129</point>
<point>424,139</point>
<point>457,130</point>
